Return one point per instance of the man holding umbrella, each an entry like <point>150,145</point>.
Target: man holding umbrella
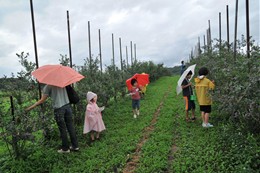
<point>57,77</point>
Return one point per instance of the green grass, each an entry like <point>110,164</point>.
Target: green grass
<point>155,150</point>
<point>223,148</point>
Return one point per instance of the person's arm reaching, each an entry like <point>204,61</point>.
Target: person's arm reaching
<point>42,100</point>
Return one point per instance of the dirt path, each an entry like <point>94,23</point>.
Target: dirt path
<point>174,147</point>
<point>133,161</point>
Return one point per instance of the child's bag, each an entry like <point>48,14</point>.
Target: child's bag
<point>72,95</point>
<point>193,97</point>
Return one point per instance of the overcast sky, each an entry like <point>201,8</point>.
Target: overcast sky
<point>164,31</point>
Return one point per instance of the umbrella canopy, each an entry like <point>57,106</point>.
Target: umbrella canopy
<point>57,75</point>
<point>183,76</point>
<point>142,80</point>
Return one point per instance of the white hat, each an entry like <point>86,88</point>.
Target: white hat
<point>90,96</point>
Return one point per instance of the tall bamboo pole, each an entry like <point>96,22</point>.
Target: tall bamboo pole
<point>235,35</point>
<point>204,39</point>
<point>113,51</point>
<point>126,52</point>
<point>247,29</point>
<point>131,47</point>
<point>208,40</point>
<point>68,24</point>
<point>100,53</point>
<point>120,49</point>
<point>35,44</point>
<point>199,46</point>
<point>210,35</point>
<point>220,31</point>
<point>46,130</point>
<point>135,52</point>
<point>228,27</point>
<point>89,44</point>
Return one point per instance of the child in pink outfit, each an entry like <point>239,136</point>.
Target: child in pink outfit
<point>135,93</point>
<point>93,118</point>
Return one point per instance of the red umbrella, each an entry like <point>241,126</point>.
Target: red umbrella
<point>142,80</point>
<point>57,75</point>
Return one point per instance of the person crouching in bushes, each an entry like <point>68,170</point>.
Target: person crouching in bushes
<point>135,93</point>
<point>93,118</point>
<point>203,86</point>
<point>187,92</point>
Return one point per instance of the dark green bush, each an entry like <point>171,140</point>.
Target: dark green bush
<point>237,94</point>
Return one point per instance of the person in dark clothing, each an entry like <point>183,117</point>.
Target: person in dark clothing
<point>183,67</point>
<point>187,92</point>
<point>63,116</point>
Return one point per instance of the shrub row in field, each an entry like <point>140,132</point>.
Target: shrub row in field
<point>237,94</point>
<point>107,155</point>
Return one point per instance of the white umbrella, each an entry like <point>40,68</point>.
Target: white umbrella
<point>183,76</point>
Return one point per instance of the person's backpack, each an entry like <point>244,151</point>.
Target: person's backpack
<point>72,95</point>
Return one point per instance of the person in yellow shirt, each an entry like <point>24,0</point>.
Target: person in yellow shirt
<point>203,86</point>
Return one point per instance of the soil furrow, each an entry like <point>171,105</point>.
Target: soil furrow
<point>133,161</point>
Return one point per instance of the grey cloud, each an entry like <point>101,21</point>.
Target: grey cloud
<point>165,31</point>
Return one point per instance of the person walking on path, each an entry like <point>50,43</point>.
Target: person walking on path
<point>203,86</point>
<point>93,118</point>
<point>187,92</point>
<point>63,115</point>
<point>183,67</point>
<point>135,93</point>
